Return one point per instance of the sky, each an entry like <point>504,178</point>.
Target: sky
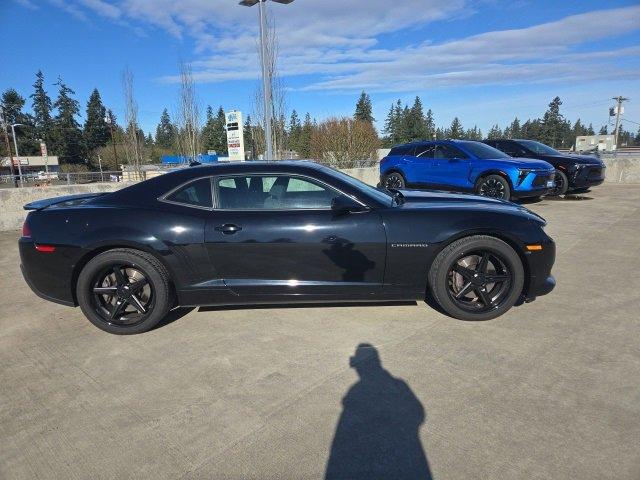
<point>483,61</point>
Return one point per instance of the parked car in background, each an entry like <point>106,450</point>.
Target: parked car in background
<point>573,172</point>
<point>279,232</point>
<point>42,175</point>
<point>466,166</point>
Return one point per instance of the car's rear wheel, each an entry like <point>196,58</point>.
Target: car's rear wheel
<point>494,186</point>
<point>476,278</point>
<point>560,184</point>
<point>394,180</point>
<point>124,291</point>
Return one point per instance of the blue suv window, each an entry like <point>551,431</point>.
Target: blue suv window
<point>425,151</point>
<point>448,152</point>
<point>402,150</point>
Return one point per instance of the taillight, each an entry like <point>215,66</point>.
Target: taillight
<point>45,248</point>
<point>26,230</point>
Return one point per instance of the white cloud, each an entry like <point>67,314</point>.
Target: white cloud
<point>337,42</point>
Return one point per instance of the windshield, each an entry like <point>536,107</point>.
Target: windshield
<point>482,151</point>
<point>539,148</point>
<point>379,195</point>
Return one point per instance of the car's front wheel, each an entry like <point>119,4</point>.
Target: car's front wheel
<point>560,185</point>
<point>494,186</point>
<point>394,180</point>
<point>476,278</point>
<point>124,291</point>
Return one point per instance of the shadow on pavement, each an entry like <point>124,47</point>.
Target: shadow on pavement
<point>377,436</point>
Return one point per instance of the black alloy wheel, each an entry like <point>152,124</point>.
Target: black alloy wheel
<point>122,294</point>
<point>479,281</point>
<point>560,184</point>
<point>476,278</point>
<point>124,291</point>
<point>394,181</point>
<point>494,186</point>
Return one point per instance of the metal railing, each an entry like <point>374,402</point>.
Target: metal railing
<point>59,178</point>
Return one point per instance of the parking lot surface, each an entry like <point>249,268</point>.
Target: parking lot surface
<point>550,390</point>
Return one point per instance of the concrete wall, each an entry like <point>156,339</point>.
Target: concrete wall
<point>12,200</point>
<point>12,215</point>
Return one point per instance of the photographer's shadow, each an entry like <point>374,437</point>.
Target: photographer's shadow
<point>377,436</point>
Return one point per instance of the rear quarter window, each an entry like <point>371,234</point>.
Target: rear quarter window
<point>194,194</point>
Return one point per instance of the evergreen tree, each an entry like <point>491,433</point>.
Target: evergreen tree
<point>455,131</point>
<point>249,143</point>
<point>603,130</point>
<point>214,135</point>
<point>473,134</point>
<point>430,125</point>
<point>305,137</point>
<point>295,132</point>
<point>553,132</point>
<point>12,104</point>
<point>67,129</point>
<point>514,130</point>
<point>42,113</point>
<point>415,123</point>
<point>495,132</point>
<point>364,109</point>
<point>391,126</point>
<point>166,131</point>
<point>590,130</point>
<point>96,130</point>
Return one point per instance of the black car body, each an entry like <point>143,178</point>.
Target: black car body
<point>579,171</point>
<point>273,232</point>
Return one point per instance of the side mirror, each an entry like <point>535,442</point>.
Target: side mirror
<point>343,204</point>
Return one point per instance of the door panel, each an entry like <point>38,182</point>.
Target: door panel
<point>298,252</point>
<point>419,167</point>
<point>276,235</point>
<point>451,167</point>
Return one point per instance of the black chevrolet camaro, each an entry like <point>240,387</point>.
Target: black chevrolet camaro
<point>279,232</point>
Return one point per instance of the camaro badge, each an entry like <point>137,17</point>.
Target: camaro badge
<point>409,245</point>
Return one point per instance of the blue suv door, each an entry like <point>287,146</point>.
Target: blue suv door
<point>451,167</point>
<point>419,166</point>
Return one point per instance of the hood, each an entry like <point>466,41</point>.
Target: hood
<point>425,199</point>
<point>579,159</point>
<point>531,163</point>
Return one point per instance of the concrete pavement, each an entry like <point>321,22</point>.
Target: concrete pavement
<point>550,390</point>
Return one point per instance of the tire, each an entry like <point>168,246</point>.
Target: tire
<point>394,180</point>
<point>133,301</point>
<point>494,186</point>
<point>453,272</point>
<point>561,185</point>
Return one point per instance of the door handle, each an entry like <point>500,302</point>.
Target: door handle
<point>228,228</point>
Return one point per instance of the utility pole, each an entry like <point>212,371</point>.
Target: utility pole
<point>6,141</point>
<point>618,112</point>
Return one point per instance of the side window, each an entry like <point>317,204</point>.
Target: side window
<point>425,151</point>
<point>273,192</point>
<point>196,194</point>
<point>402,150</point>
<point>448,152</point>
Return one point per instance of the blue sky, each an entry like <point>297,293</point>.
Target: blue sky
<point>483,61</point>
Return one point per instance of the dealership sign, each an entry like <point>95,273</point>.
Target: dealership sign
<point>235,135</point>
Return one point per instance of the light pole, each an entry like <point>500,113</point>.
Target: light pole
<point>266,75</point>
<point>15,144</point>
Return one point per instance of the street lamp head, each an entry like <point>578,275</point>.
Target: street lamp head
<point>251,3</point>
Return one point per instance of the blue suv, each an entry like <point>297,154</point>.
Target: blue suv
<point>466,166</point>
